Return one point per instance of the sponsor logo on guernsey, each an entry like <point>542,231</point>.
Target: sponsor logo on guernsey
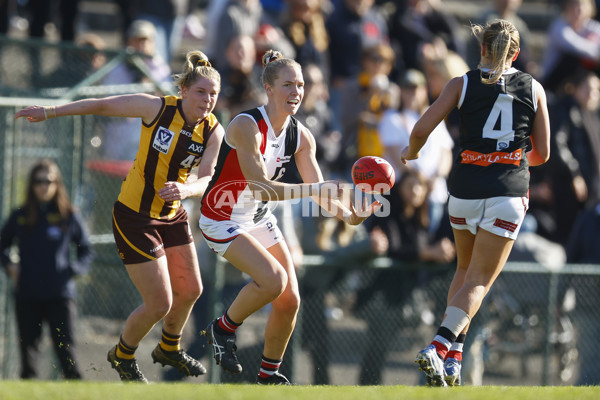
<point>502,146</point>
<point>284,159</point>
<point>163,140</point>
<point>186,133</point>
<point>196,148</point>
<point>497,157</point>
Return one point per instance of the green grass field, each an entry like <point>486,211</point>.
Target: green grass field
<point>162,391</point>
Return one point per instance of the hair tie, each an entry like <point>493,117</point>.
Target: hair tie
<point>274,57</point>
<point>203,63</point>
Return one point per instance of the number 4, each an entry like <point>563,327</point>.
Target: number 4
<point>190,161</point>
<point>502,110</point>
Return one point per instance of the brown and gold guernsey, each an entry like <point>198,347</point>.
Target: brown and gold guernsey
<point>169,149</point>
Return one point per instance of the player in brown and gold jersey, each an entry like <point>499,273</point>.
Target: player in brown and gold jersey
<point>151,228</point>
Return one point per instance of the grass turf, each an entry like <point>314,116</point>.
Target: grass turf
<point>59,390</point>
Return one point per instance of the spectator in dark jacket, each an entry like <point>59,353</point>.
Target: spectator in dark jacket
<point>42,231</point>
<point>419,22</point>
<point>354,25</point>
<point>571,179</point>
<point>583,248</point>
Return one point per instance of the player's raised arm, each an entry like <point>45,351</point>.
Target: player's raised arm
<point>140,105</point>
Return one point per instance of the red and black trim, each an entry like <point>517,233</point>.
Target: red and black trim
<point>221,241</point>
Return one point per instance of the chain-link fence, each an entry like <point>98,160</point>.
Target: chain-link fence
<point>361,321</point>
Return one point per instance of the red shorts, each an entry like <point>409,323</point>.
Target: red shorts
<point>140,238</point>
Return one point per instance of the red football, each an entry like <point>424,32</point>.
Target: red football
<point>373,175</point>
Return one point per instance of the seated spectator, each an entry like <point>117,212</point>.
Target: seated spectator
<point>363,100</point>
<point>271,36</point>
<point>507,10</point>
<point>583,248</point>
<point>95,58</point>
<point>439,66</point>
<point>121,135</point>
<point>304,25</point>
<point>240,79</point>
<point>84,60</point>
<point>435,160</point>
<point>169,20</point>
<point>575,39</point>
<point>419,22</point>
<point>571,177</point>
<point>41,13</point>
<point>316,114</point>
<point>230,18</point>
<point>353,26</point>
<point>141,39</point>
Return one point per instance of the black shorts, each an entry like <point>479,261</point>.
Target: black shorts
<point>140,238</point>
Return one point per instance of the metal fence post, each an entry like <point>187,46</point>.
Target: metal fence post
<point>215,304</point>
<point>550,324</point>
<point>6,202</point>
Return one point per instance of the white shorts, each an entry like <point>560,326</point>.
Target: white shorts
<point>219,234</point>
<point>502,216</point>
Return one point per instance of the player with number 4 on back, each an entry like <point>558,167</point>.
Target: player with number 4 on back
<point>151,229</point>
<point>504,131</point>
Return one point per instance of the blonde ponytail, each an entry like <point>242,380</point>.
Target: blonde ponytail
<point>196,65</point>
<point>501,39</point>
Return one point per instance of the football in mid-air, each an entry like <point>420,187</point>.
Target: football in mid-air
<point>373,175</point>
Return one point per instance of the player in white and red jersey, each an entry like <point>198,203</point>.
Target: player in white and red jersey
<point>276,151</point>
<point>235,222</point>
<point>504,130</point>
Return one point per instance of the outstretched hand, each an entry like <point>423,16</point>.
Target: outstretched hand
<point>405,156</point>
<point>33,114</point>
<point>356,217</point>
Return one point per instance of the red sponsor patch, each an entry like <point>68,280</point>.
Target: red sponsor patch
<point>509,226</point>
<point>497,157</point>
<point>458,221</point>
